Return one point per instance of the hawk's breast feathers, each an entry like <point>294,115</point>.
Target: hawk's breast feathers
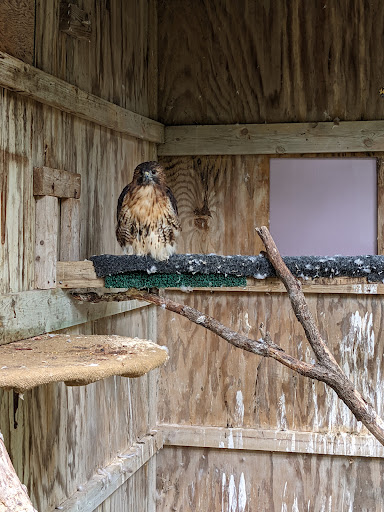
<point>147,217</point>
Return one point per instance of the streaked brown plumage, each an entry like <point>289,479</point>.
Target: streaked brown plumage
<point>147,217</point>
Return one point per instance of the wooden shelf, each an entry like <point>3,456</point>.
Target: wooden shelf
<point>75,359</point>
<point>81,274</point>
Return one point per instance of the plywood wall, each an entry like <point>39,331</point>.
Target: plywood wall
<point>255,62</point>
<point>58,437</point>
<point>119,64</point>
<point>211,384</point>
<point>218,481</point>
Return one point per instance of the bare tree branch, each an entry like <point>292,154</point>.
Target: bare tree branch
<point>13,495</point>
<point>325,370</point>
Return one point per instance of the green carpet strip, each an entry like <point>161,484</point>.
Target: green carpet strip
<point>142,280</point>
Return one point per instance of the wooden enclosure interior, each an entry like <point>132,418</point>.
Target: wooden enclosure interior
<point>216,427</point>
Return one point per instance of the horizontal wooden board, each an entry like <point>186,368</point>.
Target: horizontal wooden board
<point>193,479</point>
<point>77,274</point>
<point>326,443</point>
<point>109,478</point>
<point>56,182</point>
<point>27,314</point>
<point>44,88</point>
<point>273,139</point>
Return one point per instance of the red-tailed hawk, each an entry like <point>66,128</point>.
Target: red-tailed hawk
<point>147,217</point>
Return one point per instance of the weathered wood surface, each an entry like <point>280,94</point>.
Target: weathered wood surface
<point>28,137</point>
<point>77,274</point>
<point>111,477</point>
<point>56,182</point>
<point>74,21</point>
<point>221,201</point>
<point>54,92</point>
<point>274,139</point>
<point>69,230</point>
<point>227,387</point>
<point>27,314</point>
<point>249,439</point>
<point>82,433</point>
<point>223,386</point>
<point>47,225</point>
<point>137,494</point>
<point>118,65</point>
<point>207,479</point>
<point>17,27</point>
<point>269,62</point>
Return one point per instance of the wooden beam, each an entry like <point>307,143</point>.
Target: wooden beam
<point>55,182</point>
<point>330,443</point>
<point>77,274</point>
<point>342,285</point>
<point>29,81</point>
<point>274,139</point>
<point>108,479</point>
<point>27,314</point>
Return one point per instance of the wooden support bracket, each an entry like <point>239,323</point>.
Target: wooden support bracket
<point>56,182</point>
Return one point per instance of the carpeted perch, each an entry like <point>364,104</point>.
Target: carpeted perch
<point>212,270</point>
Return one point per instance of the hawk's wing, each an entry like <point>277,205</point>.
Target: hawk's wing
<point>126,229</point>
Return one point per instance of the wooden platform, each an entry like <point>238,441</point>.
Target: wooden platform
<point>81,274</point>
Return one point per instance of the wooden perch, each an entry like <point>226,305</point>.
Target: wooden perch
<point>13,495</point>
<point>325,369</point>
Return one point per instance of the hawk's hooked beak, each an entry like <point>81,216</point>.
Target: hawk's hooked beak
<point>147,177</point>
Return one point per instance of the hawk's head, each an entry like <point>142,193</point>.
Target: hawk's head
<point>149,173</point>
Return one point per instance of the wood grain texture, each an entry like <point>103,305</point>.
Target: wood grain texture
<point>56,182</point>
<point>58,437</point>
<point>118,65</point>
<point>47,223</point>
<point>269,62</point>
<point>49,90</point>
<point>114,475</point>
<point>246,482</point>
<point>75,439</point>
<point>265,139</point>
<point>286,441</point>
<point>137,494</point>
<point>71,432</point>
<point>69,230</point>
<point>31,313</point>
<point>223,386</point>
<point>17,27</point>
<point>74,21</point>
<point>221,201</point>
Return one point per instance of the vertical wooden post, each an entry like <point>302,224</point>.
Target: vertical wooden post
<point>47,217</point>
<point>70,230</point>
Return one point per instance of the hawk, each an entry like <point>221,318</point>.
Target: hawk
<point>147,216</point>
